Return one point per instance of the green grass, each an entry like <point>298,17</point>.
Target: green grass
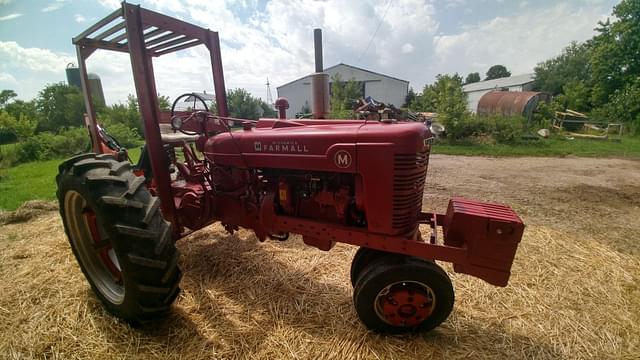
<point>33,180</point>
<point>629,147</point>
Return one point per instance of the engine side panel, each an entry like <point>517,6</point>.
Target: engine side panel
<point>388,160</point>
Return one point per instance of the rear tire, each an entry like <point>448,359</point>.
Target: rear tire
<point>119,237</point>
<point>396,294</point>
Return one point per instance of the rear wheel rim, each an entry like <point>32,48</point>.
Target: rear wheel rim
<point>93,247</point>
<point>405,303</point>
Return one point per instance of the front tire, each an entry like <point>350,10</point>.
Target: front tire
<point>363,257</point>
<point>396,294</point>
<point>119,237</point>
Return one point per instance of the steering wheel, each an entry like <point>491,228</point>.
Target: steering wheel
<point>185,108</point>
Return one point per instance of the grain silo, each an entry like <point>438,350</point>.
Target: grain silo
<point>95,84</point>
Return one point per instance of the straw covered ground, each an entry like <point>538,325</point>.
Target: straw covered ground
<point>574,291</point>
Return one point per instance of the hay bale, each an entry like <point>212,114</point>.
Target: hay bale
<point>27,211</point>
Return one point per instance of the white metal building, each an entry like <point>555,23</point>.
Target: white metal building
<point>475,91</point>
<point>384,88</point>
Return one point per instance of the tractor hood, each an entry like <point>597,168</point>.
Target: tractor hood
<point>323,145</point>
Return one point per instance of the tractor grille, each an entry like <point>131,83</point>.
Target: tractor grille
<point>409,173</point>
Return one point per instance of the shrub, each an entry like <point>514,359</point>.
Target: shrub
<point>485,129</point>
<point>47,145</point>
<point>8,155</point>
<point>34,148</point>
<point>464,128</point>
<point>507,129</point>
<point>125,135</point>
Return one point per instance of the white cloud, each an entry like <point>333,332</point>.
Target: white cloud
<point>519,42</point>
<point>174,6</point>
<point>56,5</point>
<point>7,78</point>
<point>9,17</point>
<point>407,48</point>
<point>110,4</point>
<point>79,18</point>
<point>35,59</point>
<point>455,3</point>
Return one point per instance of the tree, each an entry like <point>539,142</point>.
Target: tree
<point>497,72</point>
<point>623,106</point>
<point>473,77</point>
<point>343,96</point>
<point>19,108</point>
<point>444,96</point>
<point>126,114</point>
<point>242,105</point>
<point>164,103</point>
<point>6,96</point>
<point>59,106</point>
<point>410,98</point>
<point>614,62</point>
<point>577,95</point>
<point>571,65</point>
<point>21,127</point>
<point>267,110</point>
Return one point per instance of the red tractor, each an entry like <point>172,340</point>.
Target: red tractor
<point>359,182</point>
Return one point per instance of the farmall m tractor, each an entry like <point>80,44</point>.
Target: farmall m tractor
<point>358,182</point>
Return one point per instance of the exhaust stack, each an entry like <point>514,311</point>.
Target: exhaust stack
<point>319,81</point>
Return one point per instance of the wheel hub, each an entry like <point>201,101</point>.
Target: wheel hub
<point>103,246</point>
<point>93,248</point>
<point>406,303</point>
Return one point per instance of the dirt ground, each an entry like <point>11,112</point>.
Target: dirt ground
<point>574,290</point>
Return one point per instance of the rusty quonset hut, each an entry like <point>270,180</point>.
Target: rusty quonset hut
<point>511,103</point>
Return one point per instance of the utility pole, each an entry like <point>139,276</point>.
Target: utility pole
<point>269,96</point>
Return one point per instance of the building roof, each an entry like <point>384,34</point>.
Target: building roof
<point>499,83</point>
<point>347,65</point>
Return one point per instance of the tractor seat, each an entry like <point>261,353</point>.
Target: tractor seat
<point>168,136</point>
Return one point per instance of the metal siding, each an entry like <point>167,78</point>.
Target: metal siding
<point>387,90</point>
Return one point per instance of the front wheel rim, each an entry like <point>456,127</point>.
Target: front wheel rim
<point>94,249</point>
<point>405,303</point>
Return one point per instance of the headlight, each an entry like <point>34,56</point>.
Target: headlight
<point>436,128</point>
<point>176,123</point>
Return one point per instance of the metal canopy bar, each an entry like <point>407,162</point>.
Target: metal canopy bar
<point>111,31</point>
<point>169,44</point>
<point>101,44</point>
<point>88,101</point>
<point>174,25</point>
<point>153,33</point>
<point>123,36</point>
<point>181,47</point>
<point>107,19</point>
<point>168,35</point>
<point>158,40</point>
<point>120,37</point>
<point>144,80</point>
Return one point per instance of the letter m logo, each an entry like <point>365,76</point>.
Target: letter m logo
<point>342,159</point>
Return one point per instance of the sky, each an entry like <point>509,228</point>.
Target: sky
<point>412,40</point>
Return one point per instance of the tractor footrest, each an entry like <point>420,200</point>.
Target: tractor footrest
<point>489,232</point>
